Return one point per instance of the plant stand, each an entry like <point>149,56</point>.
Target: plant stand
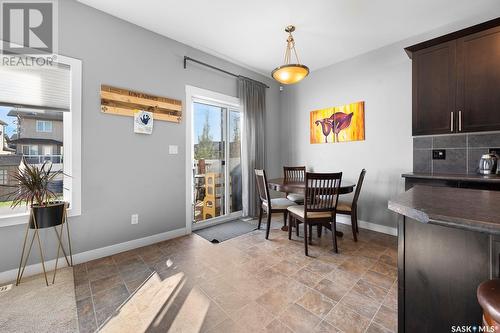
<point>60,246</point>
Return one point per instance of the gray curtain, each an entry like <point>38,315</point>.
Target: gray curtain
<point>253,104</point>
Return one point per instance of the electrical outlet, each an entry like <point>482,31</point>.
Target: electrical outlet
<point>438,154</point>
<point>134,219</point>
<point>494,151</point>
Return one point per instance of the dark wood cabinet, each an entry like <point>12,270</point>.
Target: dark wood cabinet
<point>439,271</point>
<point>434,85</point>
<point>478,81</point>
<point>456,81</point>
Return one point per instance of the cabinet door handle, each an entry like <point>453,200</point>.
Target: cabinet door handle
<point>460,121</point>
<point>451,121</point>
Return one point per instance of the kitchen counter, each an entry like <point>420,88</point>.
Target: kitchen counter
<point>476,210</point>
<point>454,177</point>
<point>448,243</point>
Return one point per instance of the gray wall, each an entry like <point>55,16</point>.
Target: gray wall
<point>124,173</point>
<point>381,79</point>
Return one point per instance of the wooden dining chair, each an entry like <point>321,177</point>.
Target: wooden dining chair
<point>298,175</point>
<point>277,205</point>
<point>351,208</point>
<point>320,204</point>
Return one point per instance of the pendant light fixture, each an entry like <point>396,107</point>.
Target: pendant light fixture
<point>290,73</point>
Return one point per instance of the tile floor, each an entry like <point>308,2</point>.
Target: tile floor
<point>254,285</point>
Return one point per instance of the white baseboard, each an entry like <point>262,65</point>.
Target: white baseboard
<point>78,258</point>
<point>344,219</point>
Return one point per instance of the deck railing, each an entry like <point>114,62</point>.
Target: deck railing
<point>39,159</point>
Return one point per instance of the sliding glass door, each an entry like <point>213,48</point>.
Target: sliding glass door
<point>216,161</point>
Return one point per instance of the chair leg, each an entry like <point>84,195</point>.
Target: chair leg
<point>284,219</point>
<point>310,233</point>
<point>269,214</point>
<point>297,228</point>
<point>320,230</point>
<point>334,235</point>
<point>290,225</point>
<point>353,226</point>
<point>260,217</point>
<point>305,239</point>
<point>356,218</point>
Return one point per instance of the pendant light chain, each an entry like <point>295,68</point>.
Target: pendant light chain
<point>290,45</point>
<point>289,72</point>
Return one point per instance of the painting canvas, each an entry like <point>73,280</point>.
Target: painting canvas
<point>338,124</point>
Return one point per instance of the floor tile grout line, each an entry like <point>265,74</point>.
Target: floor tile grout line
<point>381,304</point>
<point>351,289</point>
<point>91,298</point>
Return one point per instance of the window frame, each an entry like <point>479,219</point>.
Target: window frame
<point>30,147</point>
<point>72,133</point>
<point>44,127</point>
<point>195,94</point>
<point>4,177</point>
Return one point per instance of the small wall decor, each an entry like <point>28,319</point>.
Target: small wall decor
<point>143,122</point>
<point>125,102</point>
<point>338,123</point>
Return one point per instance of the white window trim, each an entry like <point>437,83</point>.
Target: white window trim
<point>195,93</point>
<point>3,176</point>
<point>44,129</point>
<point>72,138</point>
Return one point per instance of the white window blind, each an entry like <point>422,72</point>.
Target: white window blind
<point>41,87</point>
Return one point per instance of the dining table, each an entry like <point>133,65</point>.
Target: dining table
<point>286,186</point>
<point>282,185</point>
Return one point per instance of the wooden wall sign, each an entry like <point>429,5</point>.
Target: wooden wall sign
<point>124,102</point>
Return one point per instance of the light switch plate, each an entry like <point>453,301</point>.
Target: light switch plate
<point>173,149</point>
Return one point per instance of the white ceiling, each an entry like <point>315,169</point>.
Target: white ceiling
<point>251,32</point>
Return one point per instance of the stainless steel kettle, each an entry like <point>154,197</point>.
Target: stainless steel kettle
<point>488,164</point>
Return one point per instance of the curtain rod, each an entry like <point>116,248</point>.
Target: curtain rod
<point>186,59</point>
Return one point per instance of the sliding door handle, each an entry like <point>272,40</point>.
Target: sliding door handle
<point>460,121</point>
<point>451,121</point>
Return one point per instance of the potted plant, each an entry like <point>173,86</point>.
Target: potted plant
<point>34,190</point>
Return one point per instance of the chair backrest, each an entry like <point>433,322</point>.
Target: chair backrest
<point>358,188</point>
<point>294,174</point>
<point>262,187</point>
<point>322,191</point>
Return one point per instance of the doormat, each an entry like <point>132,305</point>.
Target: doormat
<point>224,231</point>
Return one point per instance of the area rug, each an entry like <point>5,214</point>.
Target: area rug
<point>225,231</point>
<point>34,307</point>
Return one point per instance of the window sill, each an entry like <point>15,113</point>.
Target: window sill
<point>19,219</point>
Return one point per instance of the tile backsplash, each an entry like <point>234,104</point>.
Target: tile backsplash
<point>463,152</point>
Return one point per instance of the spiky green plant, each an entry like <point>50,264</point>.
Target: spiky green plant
<point>33,185</point>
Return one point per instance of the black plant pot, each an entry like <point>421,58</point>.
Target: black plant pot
<point>47,216</point>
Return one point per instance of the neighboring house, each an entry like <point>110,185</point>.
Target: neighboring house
<point>4,147</point>
<point>8,165</point>
<point>39,136</point>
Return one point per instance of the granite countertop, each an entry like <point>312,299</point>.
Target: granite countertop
<point>456,177</point>
<point>475,210</point>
